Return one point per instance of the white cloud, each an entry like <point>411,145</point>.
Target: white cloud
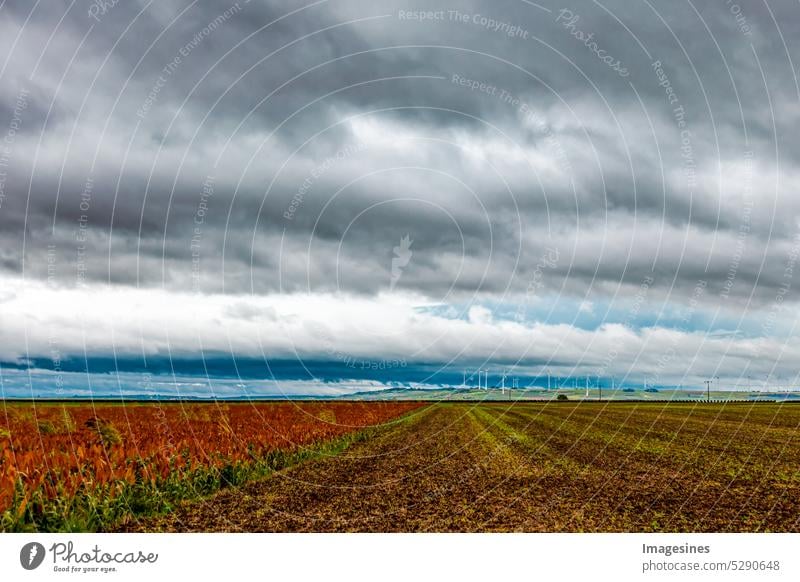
<point>100,320</point>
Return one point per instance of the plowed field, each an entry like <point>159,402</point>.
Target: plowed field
<point>534,467</point>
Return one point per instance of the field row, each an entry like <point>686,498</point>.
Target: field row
<point>535,467</point>
<point>86,467</point>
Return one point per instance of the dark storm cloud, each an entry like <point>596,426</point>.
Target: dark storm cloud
<point>332,132</point>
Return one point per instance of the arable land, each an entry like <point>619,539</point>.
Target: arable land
<point>536,467</point>
<point>83,466</point>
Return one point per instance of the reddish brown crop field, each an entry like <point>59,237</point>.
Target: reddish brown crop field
<point>68,466</point>
<point>535,467</point>
<point>392,466</point>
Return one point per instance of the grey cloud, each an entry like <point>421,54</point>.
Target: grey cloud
<point>147,180</point>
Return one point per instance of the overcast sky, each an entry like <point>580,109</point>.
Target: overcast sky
<point>589,188</point>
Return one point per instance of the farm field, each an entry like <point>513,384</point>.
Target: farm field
<point>534,467</point>
<point>83,466</point>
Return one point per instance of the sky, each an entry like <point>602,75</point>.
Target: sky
<point>392,190</point>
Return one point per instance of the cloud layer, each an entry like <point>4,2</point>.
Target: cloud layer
<point>213,163</point>
<point>382,333</point>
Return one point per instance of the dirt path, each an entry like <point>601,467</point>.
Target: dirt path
<point>533,468</point>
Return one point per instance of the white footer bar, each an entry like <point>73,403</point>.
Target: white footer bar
<point>406,557</point>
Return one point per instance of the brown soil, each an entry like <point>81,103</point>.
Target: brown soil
<point>534,467</point>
